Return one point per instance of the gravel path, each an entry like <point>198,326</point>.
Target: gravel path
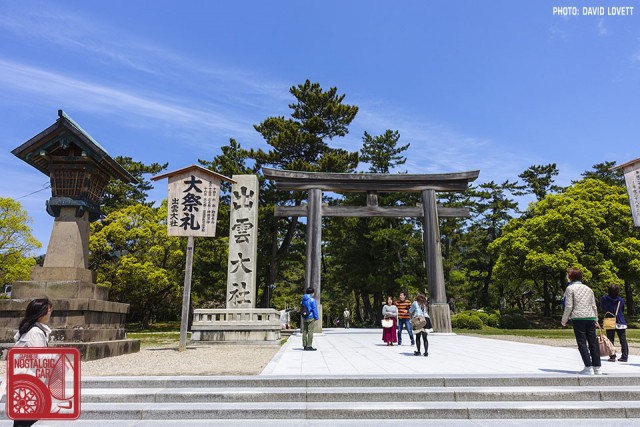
<point>196,360</point>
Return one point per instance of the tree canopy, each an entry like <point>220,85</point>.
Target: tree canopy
<point>16,242</point>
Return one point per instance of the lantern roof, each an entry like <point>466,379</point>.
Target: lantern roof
<point>57,138</point>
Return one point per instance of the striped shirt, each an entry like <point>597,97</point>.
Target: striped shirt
<point>403,309</point>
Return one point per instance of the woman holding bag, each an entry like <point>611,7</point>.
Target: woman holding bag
<point>389,322</point>
<point>613,303</point>
<point>419,309</point>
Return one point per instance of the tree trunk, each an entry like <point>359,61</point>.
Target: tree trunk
<point>368,311</point>
<point>545,297</point>
<point>358,312</point>
<point>631,307</point>
<point>377,315</point>
<point>484,295</point>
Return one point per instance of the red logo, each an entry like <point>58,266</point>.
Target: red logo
<point>43,383</point>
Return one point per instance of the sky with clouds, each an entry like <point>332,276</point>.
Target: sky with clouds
<point>493,85</point>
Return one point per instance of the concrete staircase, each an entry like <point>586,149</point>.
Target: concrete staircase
<point>352,400</point>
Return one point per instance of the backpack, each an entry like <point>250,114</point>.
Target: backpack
<point>303,310</point>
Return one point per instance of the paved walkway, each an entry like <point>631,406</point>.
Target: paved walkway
<point>362,352</point>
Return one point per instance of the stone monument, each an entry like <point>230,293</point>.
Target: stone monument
<point>79,169</point>
<point>241,322</point>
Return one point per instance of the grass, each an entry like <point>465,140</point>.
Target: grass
<point>156,334</point>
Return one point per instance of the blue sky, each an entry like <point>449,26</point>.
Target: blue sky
<point>479,84</point>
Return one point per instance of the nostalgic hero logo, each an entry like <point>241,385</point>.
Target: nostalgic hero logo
<point>43,383</point>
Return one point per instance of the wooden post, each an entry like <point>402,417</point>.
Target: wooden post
<point>186,295</point>
<point>314,249</point>
<point>439,313</point>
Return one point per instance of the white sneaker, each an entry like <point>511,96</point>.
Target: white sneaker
<point>588,370</point>
<point>596,370</point>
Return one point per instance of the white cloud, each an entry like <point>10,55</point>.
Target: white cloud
<point>602,30</point>
<point>91,96</point>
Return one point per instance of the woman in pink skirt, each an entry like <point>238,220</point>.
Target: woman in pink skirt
<point>390,312</point>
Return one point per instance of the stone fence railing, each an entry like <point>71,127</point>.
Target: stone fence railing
<point>203,316</point>
<point>241,325</point>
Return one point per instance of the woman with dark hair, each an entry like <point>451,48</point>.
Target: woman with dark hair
<point>33,330</point>
<point>614,303</point>
<point>580,307</point>
<point>390,315</point>
<point>419,308</point>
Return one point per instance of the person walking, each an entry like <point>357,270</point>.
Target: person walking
<point>309,305</point>
<point>403,317</point>
<point>34,332</point>
<point>614,303</point>
<point>419,308</point>
<point>346,316</point>
<point>580,307</point>
<point>390,314</point>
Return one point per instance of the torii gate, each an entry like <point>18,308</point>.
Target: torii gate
<point>373,183</point>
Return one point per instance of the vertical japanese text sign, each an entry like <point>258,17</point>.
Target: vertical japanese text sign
<point>194,193</point>
<point>243,242</point>
<point>632,180</point>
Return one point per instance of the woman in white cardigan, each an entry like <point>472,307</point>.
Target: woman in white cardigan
<point>580,307</point>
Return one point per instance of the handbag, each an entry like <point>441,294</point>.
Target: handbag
<point>605,345</point>
<point>610,322</point>
<point>387,323</point>
<point>418,322</point>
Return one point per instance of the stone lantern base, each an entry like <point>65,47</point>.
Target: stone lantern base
<point>81,317</point>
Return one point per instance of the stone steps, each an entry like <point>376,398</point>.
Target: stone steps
<point>253,400</point>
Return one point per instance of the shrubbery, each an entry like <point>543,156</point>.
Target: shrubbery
<point>471,319</point>
<point>476,319</point>
<point>514,321</point>
<point>466,320</point>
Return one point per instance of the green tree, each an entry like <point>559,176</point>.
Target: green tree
<point>382,152</point>
<point>118,194</point>
<point>492,207</point>
<point>604,172</point>
<point>142,266</point>
<point>298,143</point>
<point>16,242</point>
<point>587,226</point>
<point>539,180</point>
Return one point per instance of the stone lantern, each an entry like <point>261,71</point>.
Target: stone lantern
<point>79,170</point>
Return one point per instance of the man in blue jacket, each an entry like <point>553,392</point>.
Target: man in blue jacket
<point>308,321</point>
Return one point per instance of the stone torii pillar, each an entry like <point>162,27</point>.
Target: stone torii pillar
<point>440,313</point>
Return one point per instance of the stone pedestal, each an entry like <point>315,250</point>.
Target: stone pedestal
<point>236,326</point>
<point>79,319</point>
<point>440,317</point>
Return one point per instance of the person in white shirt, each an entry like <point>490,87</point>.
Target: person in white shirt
<point>34,332</point>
